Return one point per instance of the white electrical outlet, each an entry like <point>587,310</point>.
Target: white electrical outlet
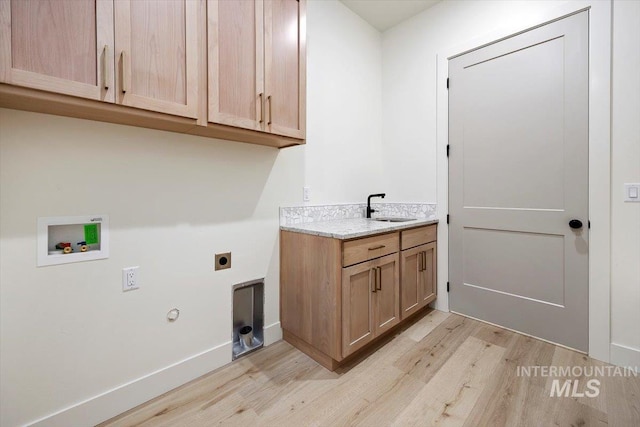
<point>130,279</point>
<point>306,194</point>
<point>632,192</point>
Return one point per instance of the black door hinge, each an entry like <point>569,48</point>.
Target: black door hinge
<point>589,224</point>
<point>447,218</point>
<point>447,286</point>
<point>447,150</point>
<point>447,82</point>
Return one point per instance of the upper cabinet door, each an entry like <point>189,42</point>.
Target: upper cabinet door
<point>236,63</point>
<point>157,57</point>
<point>285,66</point>
<point>63,46</point>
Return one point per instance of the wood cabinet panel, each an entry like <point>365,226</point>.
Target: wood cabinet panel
<point>410,299</point>
<point>39,45</point>
<point>329,311</point>
<point>152,55</point>
<point>357,307</point>
<point>429,281</point>
<point>418,236</point>
<point>257,65</point>
<point>386,298</point>
<point>236,63</point>
<point>157,55</point>
<point>285,67</point>
<point>370,301</point>
<point>355,251</point>
<point>418,278</point>
<point>64,46</point>
<point>310,290</point>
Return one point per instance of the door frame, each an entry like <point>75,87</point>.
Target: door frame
<point>600,13</point>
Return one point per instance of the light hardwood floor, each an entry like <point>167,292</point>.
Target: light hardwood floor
<point>443,369</point>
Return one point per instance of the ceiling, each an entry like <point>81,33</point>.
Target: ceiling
<point>384,14</point>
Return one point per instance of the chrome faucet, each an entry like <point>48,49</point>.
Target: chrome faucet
<point>370,210</point>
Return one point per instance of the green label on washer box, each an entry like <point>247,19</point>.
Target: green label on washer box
<point>91,235</point>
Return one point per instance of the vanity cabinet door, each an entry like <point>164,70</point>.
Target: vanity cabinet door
<point>428,279</point>
<point>418,285</point>
<point>358,290</point>
<point>370,301</point>
<point>412,278</point>
<point>387,295</point>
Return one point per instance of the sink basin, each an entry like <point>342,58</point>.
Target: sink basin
<point>393,219</point>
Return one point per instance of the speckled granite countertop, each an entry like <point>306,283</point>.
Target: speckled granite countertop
<point>355,227</point>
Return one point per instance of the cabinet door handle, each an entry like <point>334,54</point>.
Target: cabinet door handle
<point>377,247</point>
<point>424,260</point>
<point>123,58</point>
<point>373,270</point>
<point>270,112</point>
<point>379,278</point>
<point>261,107</point>
<point>105,68</point>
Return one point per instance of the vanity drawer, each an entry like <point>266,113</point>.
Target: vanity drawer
<point>360,250</point>
<point>418,236</point>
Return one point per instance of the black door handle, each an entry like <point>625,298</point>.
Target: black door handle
<point>575,224</point>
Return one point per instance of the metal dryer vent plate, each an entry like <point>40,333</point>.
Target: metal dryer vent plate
<point>223,261</point>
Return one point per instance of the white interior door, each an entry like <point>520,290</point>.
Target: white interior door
<point>518,175</point>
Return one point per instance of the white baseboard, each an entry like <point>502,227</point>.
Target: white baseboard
<point>625,356</point>
<point>122,398</point>
<point>272,333</point>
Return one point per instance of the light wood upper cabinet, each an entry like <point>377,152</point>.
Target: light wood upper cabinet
<point>62,46</point>
<point>257,65</point>
<point>229,69</point>
<point>285,66</point>
<point>157,55</point>
<point>236,63</point>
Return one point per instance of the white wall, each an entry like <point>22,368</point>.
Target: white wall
<point>625,157</point>
<point>414,132</point>
<point>68,333</point>
<point>343,159</point>
<point>409,82</point>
